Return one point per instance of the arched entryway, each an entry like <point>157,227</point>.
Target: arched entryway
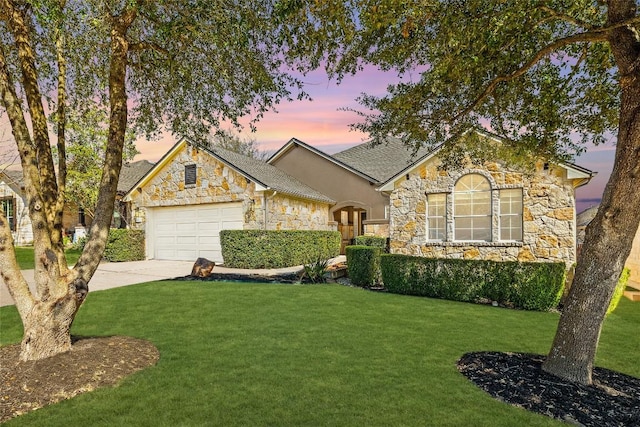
<point>350,217</point>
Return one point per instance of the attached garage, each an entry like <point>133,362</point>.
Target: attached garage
<point>194,192</point>
<point>185,233</point>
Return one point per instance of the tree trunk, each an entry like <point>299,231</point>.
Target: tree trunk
<point>47,316</point>
<point>47,328</point>
<point>610,235</point>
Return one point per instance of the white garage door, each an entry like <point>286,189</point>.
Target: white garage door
<point>185,233</point>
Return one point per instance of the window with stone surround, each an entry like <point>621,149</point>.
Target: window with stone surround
<point>511,214</point>
<point>472,208</point>
<point>190,174</point>
<point>8,206</point>
<point>436,216</point>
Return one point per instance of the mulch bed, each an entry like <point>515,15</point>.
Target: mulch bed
<point>518,379</point>
<point>248,278</point>
<point>92,363</point>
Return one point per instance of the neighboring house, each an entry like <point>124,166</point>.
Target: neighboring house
<point>130,174</point>
<point>633,261</point>
<point>193,192</point>
<point>352,178</point>
<point>14,206</point>
<point>13,203</point>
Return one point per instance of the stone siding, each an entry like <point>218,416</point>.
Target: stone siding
<point>376,228</point>
<point>23,234</point>
<point>218,183</point>
<point>288,213</point>
<point>548,215</point>
<point>633,262</point>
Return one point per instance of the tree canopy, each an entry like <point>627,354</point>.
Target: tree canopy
<point>537,72</point>
<point>547,76</point>
<point>151,65</point>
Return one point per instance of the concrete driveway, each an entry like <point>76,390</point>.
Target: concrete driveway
<point>116,274</point>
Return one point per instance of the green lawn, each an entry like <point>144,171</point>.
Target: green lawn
<point>24,255</point>
<point>289,355</point>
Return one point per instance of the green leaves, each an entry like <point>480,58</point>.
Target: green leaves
<point>536,72</point>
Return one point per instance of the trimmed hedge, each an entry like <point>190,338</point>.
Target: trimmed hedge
<point>363,264</point>
<point>531,286</point>
<point>620,288</point>
<point>125,245</point>
<point>378,242</point>
<point>277,248</point>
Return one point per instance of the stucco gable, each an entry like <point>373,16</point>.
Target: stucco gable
<point>296,143</point>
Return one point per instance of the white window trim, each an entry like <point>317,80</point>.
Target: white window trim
<point>495,216</point>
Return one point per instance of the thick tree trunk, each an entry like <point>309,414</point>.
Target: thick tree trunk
<point>610,235</point>
<point>47,328</point>
<point>47,316</point>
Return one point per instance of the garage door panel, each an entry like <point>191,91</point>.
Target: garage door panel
<point>188,232</point>
<point>165,240</point>
<point>162,253</point>
<point>209,240</point>
<point>186,254</point>
<point>209,226</point>
<point>186,240</point>
<point>165,228</point>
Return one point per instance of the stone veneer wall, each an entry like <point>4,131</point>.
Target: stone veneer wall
<point>633,262</point>
<point>288,213</point>
<point>548,215</point>
<point>376,228</point>
<point>218,183</point>
<point>23,234</point>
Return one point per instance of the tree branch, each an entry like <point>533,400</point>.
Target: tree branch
<point>10,271</point>
<point>590,36</point>
<point>61,117</point>
<point>21,33</point>
<point>567,18</point>
<point>144,45</point>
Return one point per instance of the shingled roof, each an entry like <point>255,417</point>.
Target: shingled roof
<point>267,175</point>
<point>131,173</point>
<point>382,161</point>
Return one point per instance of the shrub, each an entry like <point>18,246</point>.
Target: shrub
<point>277,248</point>
<point>315,271</point>
<point>620,288</point>
<point>532,286</point>
<point>378,242</point>
<point>363,264</point>
<point>125,245</point>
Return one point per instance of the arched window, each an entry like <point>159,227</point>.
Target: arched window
<point>472,208</point>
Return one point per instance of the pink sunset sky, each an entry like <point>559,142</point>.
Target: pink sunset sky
<point>322,124</point>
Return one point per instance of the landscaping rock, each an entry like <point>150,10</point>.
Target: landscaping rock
<point>202,268</point>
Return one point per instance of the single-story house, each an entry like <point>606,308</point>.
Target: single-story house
<point>477,211</point>
<point>487,211</point>
<point>195,191</point>
<point>14,207</point>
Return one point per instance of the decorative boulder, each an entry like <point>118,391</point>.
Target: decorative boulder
<point>202,268</point>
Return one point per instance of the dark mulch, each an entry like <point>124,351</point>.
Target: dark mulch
<point>248,278</point>
<point>92,363</point>
<point>518,379</point>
